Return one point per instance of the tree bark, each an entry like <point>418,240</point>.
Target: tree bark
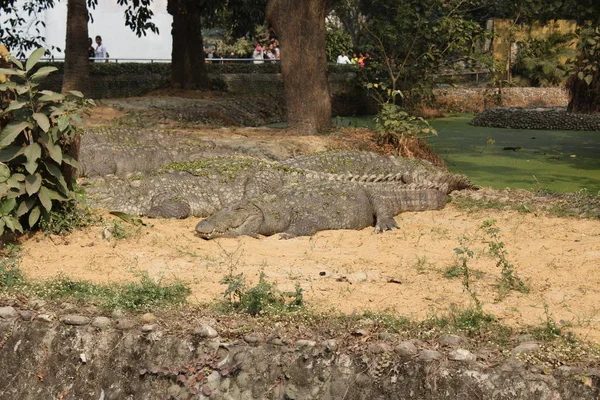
<point>300,26</point>
<point>188,68</point>
<point>584,98</point>
<point>76,74</point>
<point>77,66</point>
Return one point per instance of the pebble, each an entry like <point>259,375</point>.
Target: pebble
<point>36,304</point>
<point>76,320</point>
<point>527,338</point>
<point>526,348</point>
<point>275,340</point>
<point>462,355</point>
<point>206,331</point>
<point>305,343</point>
<point>8,312</point>
<point>386,337</point>
<point>124,323</point>
<point>148,318</point>
<point>330,345</point>
<point>429,355</point>
<point>45,317</point>
<point>27,315</point>
<point>406,349</point>
<point>117,313</point>
<point>254,338</point>
<point>149,328</point>
<point>450,340</point>
<point>380,348</point>
<point>101,322</point>
<point>360,332</point>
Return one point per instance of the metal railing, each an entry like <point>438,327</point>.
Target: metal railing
<point>168,60</point>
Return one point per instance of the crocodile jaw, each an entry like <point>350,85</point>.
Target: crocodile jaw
<point>240,219</point>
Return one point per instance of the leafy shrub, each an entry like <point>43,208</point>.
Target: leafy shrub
<point>393,125</point>
<point>337,40</point>
<point>31,145</point>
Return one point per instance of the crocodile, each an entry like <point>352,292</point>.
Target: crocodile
<point>203,187</point>
<point>302,210</point>
<point>362,163</point>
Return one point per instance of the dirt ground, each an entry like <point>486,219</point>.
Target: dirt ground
<point>354,271</point>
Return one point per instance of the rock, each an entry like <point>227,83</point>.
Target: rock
<point>101,322</point>
<point>386,337</point>
<point>124,324</point>
<point>254,338</point>
<point>173,391</point>
<point>206,331</point>
<point>380,348</point>
<point>406,349</point>
<point>8,312</point>
<point>305,343</point>
<point>462,355</point>
<point>450,340</point>
<point>148,318</point>
<point>429,355</point>
<point>526,348</point>
<point>360,332</point>
<point>330,345</point>
<point>27,315</point>
<point>149,328</point>
<point>243,380</point>
<point>275,340</point>
<point>76,320</point>
<point>117,313</point>
<point>527,338</point>
<point>358,277</point>
<point>67,306</point>
<point>36,304</point>
<point>45,317</point>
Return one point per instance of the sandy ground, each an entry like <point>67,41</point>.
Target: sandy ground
<point>354,271</point>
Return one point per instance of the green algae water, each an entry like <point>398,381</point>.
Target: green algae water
<point>558,161</point>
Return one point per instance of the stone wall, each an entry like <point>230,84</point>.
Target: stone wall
<point>544,118</point>
<point>63,353</point>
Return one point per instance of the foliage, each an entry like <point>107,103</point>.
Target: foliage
<point>464,255</point>
<point>10,275</point>
<point>337,40</point>
<point>393,125</point>
<point>31,146</point>
<point>542,62</point>
<point>509,280</point>
<point>66,217</point>
<point>263,298</point>
<point>584,84</point>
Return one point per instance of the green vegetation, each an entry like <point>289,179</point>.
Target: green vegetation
<point>33,163</point>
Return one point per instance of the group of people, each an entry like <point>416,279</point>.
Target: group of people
<point>98,54</point>
<point>271,53</point>
<point>359,59</point>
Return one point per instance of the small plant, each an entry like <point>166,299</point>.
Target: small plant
<point>32,160</point>
<point>66,217</point>
<point>395,126</point>
<point>261,299</point>
<point>10,275</point>
<point>509,279</point>
<point>549,329</point>
<point>464,254</point>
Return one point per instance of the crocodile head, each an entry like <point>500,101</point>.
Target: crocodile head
<point>243,218</point>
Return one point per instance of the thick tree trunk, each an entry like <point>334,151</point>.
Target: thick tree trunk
<point>77,69</point>
<point>188,69</point>
<point>300,26</point>
<point>77,66</point>
<point>584,98</point>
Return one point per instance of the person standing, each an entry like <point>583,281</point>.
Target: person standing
<point>258,54</point>
<point>91,50</point>
<point>101,52</point>
<point>343,58</point>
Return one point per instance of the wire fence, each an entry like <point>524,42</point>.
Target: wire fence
<point>168,60</point>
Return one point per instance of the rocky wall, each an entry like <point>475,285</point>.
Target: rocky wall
<point>78,354</point>
<point>544,118</point>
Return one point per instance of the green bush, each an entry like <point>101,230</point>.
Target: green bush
<point>32,160</point>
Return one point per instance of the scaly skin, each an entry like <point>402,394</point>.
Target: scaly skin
<point>301,210</point>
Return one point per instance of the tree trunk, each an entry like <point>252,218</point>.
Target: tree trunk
<point>76,74</point>
<point>584,98</point>
<point>300,26</point>
<point>77,66</point>
<point>188,69</point>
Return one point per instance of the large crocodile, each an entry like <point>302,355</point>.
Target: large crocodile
<point>364,163</point>
<point>203,187</point>
<point>301,210</point>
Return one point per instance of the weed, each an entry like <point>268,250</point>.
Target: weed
<point>118,230</point>
<point>264,298</point>
<point>549,329</point>
<point>464,254</point>
<point>10,275</point>
<point>421,264</point>
<point>509,279</point>
<point>67,217</point>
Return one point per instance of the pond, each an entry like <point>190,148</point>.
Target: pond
<point>557,161</point>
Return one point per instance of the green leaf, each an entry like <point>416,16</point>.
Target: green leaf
<point>42,121</point>
<point>15,61</point>
<point>14,105</point>
<point>55,152</point>
<point>33,152</point>
<point>11,131</point>
<point>7,206</point>
<point>3,189</point>
<point>45,199</point>
<point>25,206</point>
<point>13,224</point>
<point>76,93</point>
<point>588,79</point>
<point>1,226</point>
<point>63,122</point>
<point>10,152</point>
<point>48,95</point>
<point>57,196</point>
<point>67,159</point>
<point>34,58</point>
<point>33,183</point>
<point>57,174</point>
<point>42,73</point>
<point>9,71</point>
<point>4,172</point>
<point>128,218</point>
<point>34,216</point>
